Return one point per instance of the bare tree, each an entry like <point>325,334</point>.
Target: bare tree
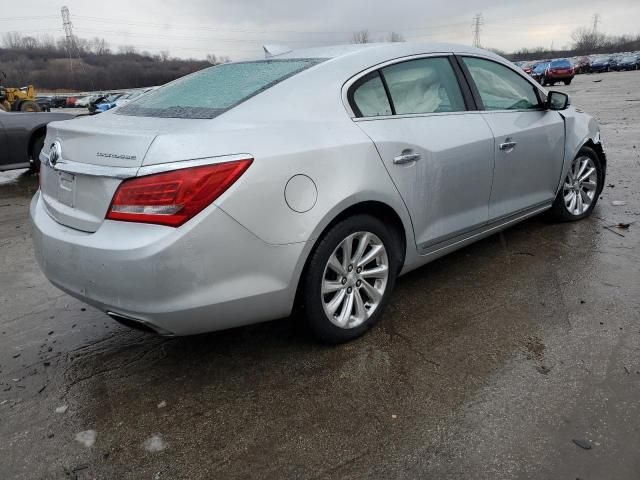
<point>212,59</point>
<point>12,40</point>
<point>127,49</point>
<point>395,37</point>
<point>100,46</point>
<point>361,37</point>
<point>587,40</point>
<point>29,42</point>
<point>164,55</point>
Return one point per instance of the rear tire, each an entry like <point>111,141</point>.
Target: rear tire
<point>580,189</point>
<point>567,82</point>
<point>349,278</point>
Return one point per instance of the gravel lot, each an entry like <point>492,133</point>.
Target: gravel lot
<point>489,363</point>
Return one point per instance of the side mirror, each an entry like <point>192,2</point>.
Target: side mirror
<point>558,101</point>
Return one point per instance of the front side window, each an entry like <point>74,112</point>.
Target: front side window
<point>427,85</point>
<point>210,92</point>
<point>501,88</point>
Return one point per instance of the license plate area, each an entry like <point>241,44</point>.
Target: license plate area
<point>66,188</point>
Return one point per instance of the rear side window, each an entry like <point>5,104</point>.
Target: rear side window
<point>210,92</point>
<point>428,85</point>
<point>501,88</point>
<point>370,98</point>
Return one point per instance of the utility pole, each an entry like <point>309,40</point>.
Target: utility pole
<point>68,32</point>
<point>478,21</point>
<point>596,21</point>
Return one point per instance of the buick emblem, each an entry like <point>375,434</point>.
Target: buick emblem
<point>55,152</point>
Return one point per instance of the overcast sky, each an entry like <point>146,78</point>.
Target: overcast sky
<point>238,28</point>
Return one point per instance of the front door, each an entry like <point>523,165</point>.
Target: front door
<point>529,140</point>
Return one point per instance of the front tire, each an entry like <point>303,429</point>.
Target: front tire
<point>580,189</point>
<point>29,106</point>
<point>349,278</point>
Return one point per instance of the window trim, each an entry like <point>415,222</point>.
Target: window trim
<point>354,82</point>
<point>540,94</point>
<point>359,82</point>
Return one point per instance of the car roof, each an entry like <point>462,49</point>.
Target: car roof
<point>395,49</point>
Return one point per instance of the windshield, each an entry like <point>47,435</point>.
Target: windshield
<point>560,63</point>
<point>210,92</point>
<point>541,67</point>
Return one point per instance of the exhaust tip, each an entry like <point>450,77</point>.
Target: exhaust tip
<point>137,324</point>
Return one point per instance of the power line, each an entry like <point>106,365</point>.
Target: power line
<point>260,31</point>
<point>13,19</point>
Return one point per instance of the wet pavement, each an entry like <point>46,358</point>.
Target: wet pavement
<point>517,357</point>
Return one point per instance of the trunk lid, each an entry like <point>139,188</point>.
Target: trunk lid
<point>95,154</point>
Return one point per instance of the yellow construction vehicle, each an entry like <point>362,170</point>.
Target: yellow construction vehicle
<point>18,99</point>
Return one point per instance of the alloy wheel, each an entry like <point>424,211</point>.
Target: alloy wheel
<point>355,279</point>
<point>580,185</point>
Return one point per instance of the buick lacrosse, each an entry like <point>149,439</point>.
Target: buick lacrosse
<point>312,178</point>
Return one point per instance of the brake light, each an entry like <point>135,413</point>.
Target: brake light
<point>173,197</point>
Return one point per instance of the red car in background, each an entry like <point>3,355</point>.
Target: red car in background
<point>582,65</point>
<point>559,70</point>
<point>528,67</point>
<point>71,102</point>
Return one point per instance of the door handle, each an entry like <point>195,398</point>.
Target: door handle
<point>407,156</point>
<point>508,145</point>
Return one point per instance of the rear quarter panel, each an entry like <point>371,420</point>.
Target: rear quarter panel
<point>341,161</point>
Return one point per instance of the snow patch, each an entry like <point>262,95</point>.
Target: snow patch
<point>87,438</point>
<point>154,443</point>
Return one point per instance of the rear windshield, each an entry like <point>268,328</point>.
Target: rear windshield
<point>210,92</point>
<point>560,63</point>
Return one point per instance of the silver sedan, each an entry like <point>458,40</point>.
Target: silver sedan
<point>312,178</point>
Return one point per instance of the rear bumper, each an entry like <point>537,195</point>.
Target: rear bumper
<point>560,76</point>
<point>210,274</point>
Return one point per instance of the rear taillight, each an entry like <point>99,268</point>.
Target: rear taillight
<point>173,197</point>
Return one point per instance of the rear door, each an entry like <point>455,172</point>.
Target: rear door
<point>438,153</point>
<point>529,140</point>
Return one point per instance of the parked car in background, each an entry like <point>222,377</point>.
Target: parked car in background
<point>582,65</point>
<point>103,103</point>
<point>70,101</point>
<point>22,137</point>
<point>601,64</point>
<point>613,61</point>
<point>44,103</point>
<point>84,102</point>
<point>539,70</point>
<point>225,197</point>
<point>58,101</point>
<point>559,70</point>
<point>626,63</point>
<point>527,67</point>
